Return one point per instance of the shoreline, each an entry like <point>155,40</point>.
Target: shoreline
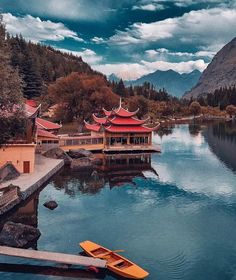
<point>186,120</point>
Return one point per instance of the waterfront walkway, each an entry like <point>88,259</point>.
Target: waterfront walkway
<point>45,168</point>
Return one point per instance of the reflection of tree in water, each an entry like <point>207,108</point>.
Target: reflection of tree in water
<point>194,129</point>
<point>116,170</point>
<point>166,130</point>
<point>225,131</point>
<point>221,138</point>
<point>73,182</point>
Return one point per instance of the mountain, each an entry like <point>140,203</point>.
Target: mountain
<point>114,78</point>
<point>176,84</point>
<point>221,72</point>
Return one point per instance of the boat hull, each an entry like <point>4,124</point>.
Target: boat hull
<point>115,262</point>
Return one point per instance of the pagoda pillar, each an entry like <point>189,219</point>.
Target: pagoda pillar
<point>128,139</point>
<point>150,139</point>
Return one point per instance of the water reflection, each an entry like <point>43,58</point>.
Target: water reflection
<point>115,171</point>
<point>194,129</point>
<point>26,213</point>
<point>221,138</point>
<point>51,271</point>
<point>179,224</point>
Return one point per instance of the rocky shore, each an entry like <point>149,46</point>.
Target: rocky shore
<point>76,159</point>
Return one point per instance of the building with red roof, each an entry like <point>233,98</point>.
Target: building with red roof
<point>45,131</point>
<point>47,125</point>
<point>121,129</point>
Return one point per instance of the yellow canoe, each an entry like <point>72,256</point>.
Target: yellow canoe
<point>115,262</point>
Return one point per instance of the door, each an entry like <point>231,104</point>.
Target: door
<point>26,167</point>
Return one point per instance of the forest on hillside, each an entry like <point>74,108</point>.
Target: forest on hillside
<point>40,65</point>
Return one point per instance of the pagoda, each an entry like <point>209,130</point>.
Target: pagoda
<point>121,129</point>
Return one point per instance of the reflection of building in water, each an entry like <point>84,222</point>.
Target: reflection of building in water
<point>123,169</point>
<point>221,138</point>
<point>115,170</point>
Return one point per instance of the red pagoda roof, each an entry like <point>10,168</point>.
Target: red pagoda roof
<point>47,125</point>
<point>141,128</point>
<point>102,120</point>
<point>46,134</point>
<point>125,113</point>
<point>119,120</point>
<point>126,121</point>
<point>32,112</point>
<point>94,127</point>
<point>31,102</point>
<point>107,113</point>
<point>121,112</point>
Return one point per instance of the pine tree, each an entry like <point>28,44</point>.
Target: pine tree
<point>120,89</point>
<point>32,79</point>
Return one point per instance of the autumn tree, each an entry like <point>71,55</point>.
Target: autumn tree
<point>195,108</point>
<point>231,110</point>
<point>12,118</point>
<point>79,95</point>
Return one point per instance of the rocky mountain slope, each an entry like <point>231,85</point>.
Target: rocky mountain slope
<point>221,72</point>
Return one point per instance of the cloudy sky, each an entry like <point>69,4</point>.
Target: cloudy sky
<point>129,38</point>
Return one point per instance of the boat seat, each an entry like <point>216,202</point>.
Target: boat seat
<point>116,262</point>
<point>103,255</point>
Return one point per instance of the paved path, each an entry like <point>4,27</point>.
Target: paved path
<point>45,168</point>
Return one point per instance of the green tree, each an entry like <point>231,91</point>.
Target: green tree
<point>32,79</point>
<point>120,89</point>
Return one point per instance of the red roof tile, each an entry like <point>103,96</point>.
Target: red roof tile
<point>125,113</point>
<point>107,113</point>
<point>31,111</point>
<point>126,121</point>
<point>117,129</point>
<point>46,134</point>
<point>99,120</point>
<point>94,127</point>
<point>121,112</point>
<point>31,103</point>
<point>47,124</point>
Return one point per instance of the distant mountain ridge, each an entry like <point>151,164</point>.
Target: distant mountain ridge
<point>175,83</point>
<point>221,72</point>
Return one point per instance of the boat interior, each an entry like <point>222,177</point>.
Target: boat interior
<point>112,258</point>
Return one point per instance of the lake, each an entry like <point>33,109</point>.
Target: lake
<point>173,213</point>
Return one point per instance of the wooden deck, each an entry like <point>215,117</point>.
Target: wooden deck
<point>52,257</point>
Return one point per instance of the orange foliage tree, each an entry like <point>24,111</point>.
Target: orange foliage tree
<point>79,95</point>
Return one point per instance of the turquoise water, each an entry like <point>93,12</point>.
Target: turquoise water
<point>173,213</point>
